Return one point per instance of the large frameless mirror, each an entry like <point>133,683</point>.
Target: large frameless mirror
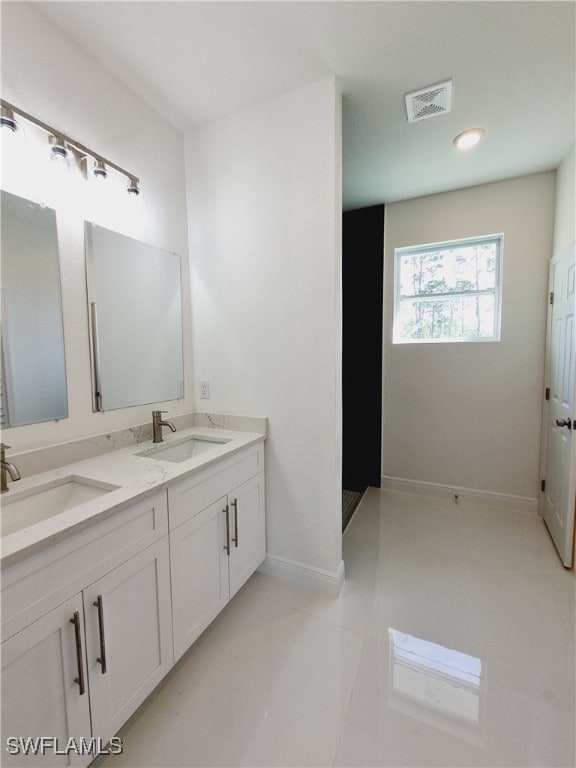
<point>33,365</point>
<point>135,315</point>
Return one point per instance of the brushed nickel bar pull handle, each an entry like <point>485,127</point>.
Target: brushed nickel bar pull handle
<point>77,631</point>
<point>235,505</point>
<point>102,658</point>
<point>97,405</point>
<point>227,545</point>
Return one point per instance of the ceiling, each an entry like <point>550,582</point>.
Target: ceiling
<point>512,65</point>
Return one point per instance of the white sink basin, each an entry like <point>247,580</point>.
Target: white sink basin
<point>185,449</point>
<point>21,509</point>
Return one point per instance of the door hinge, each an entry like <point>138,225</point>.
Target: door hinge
<point>551,297</point>
<point>543,485</point>
<point>547,393</point>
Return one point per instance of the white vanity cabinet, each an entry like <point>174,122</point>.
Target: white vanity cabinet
<point>247,531</point>
<point>42,670</point>
<point>128,636</point>
<point>93,619</point>
<point>82,668</point>
<point>199,574</point>
<point>217,540</point>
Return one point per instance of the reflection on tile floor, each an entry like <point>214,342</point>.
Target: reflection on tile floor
<point>451,644</point>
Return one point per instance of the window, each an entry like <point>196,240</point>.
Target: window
<point>448,292</point>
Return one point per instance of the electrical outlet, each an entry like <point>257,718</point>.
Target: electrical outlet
<point>205,390</point>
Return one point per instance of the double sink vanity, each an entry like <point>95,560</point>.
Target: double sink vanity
<point>112,566</point>
<point>117,550</point>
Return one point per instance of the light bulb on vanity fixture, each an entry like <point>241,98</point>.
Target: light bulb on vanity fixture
<point>133,187</point>
<point>60,154</point>
<point>58,147</point>
<point>7,120</point>
<point>99,170</point>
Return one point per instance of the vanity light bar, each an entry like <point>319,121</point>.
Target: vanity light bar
<point>101,162</point>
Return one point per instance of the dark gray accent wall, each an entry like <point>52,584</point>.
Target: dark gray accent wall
<point>362,287</point>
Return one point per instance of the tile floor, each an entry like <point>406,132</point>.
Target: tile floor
<point>451,644</point>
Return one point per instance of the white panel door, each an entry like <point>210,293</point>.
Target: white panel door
<point>128,636</point>
<point>559,497</point>
<point>42,669</point>
<point>199,567</point>
<point>247,531</point>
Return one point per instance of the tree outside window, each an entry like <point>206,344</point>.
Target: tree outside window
<point>448,292</point>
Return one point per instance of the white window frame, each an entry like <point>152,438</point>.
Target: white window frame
<point>448,245</point>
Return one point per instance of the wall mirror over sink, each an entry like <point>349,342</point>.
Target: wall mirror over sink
<point>135,316</point>
<point>33,364</point>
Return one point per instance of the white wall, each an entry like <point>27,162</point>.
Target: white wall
<point>565,218</point>
<point>49,76</point>
<point>264,210</point>
<point>468,415</point>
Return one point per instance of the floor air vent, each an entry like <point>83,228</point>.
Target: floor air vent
<point>429,102</point>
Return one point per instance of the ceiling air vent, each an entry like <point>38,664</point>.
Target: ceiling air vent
<point>429,102</point>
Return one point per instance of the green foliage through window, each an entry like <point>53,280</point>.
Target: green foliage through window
<point>448,292</point>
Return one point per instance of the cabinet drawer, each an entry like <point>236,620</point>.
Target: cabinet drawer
<point>189,497</point>
<point>37,584</point>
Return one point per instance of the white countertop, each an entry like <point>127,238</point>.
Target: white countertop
<point>136,476</point>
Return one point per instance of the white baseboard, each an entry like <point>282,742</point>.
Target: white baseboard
<point>306,575</point>
<point>524,503</point>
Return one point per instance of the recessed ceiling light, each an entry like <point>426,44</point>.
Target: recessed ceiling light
<point>469,138</point>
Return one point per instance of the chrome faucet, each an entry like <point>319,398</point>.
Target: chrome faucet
<point>7,467</point>
<point>157,425</point>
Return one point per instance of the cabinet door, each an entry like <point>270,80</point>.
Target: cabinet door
<point>40,695</point>
<point>248,538</point>
<point>199,566</point>
<point>128,636</point>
